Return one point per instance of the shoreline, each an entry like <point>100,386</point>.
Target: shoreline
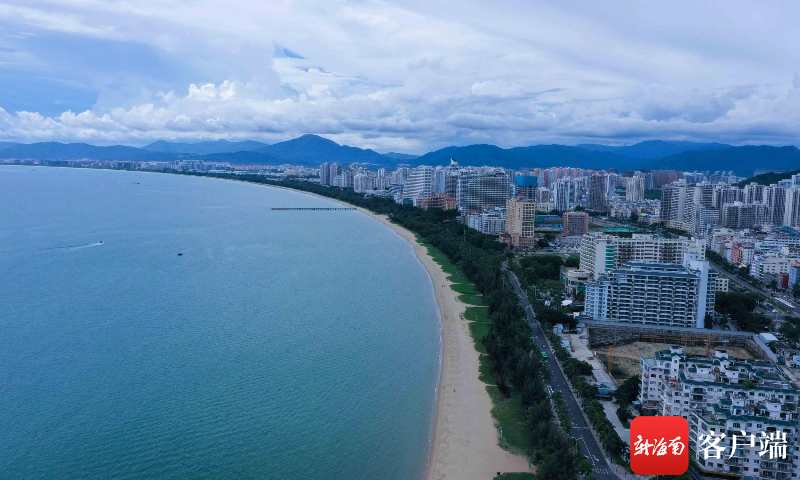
<point>464,443</point>
<point>465,440</point>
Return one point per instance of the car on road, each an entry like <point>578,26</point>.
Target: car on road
<point>544,354</point>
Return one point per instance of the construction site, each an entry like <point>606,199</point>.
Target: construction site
<point>620,347</point>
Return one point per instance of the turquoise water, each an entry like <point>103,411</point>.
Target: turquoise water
<point>290,345</point>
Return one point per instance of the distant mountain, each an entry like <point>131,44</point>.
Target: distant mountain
<point>653,149</point>
<point>768,178</point>
<point>313,150</point>
<point>77,151</point>
<point>741,160</point>
<point>558,155</point>
<point>400,156</point>
<point>205,148</point>
<point>525,157</point>
<point>470,155</point>
<point>240,158</point>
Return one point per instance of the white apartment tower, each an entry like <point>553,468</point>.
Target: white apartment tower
<point>665,294</point>
<point>419,184</point>
<point>601,252</point>
<point>791,211</point>
<point>562,194</point>
<point>635,190</point>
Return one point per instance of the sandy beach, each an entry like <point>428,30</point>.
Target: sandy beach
<point>465,439</point>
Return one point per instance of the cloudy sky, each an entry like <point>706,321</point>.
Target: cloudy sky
<point>408,76</point>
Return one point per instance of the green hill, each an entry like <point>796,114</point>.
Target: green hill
<point>768,178</point>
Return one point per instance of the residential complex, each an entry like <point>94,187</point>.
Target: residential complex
<point>602,252</point>
<point>720,395</point>
<point>665,294</point>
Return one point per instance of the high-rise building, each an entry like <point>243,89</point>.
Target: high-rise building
<point>775,200</point>
<point>726,194</point>
<point>753,193</point>
<point>526,186</point>
<point>419,185</point>
<point>671,295</point>
<point>328,172</point>
<point>704,218</point>
<point>602,252</point>
<point>399,176</point>
<point>344,179</point>
<point>363,182</point>
<point>791,211</point>
<point>520,221</point>
<point>673,204</point>
<point>740,215</point>
<point>722,396</point>
<point>481,188</point>
<point>597,193</point>
<point>635,190</point>
<point>562,194</point>
<point>703,194</point>
<point>575,223</point>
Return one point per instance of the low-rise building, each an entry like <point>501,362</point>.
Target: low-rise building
<point>440,201</point>
<point>726,396</point>
<point>575,280</point>
<point>490,223</point>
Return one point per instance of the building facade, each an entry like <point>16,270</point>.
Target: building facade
<point>482,188</point>
<point>601,252</point>
<point>575,223</point>
<point>722,395</point>
<point>520,221</point>
<point>664,294</point>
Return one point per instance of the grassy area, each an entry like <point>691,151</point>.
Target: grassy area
<point>477,314</point>
<point>458,278</point>
<point>515,476</point>
<point>478,330</point>
<point>471,299</point>
<point>465,288</point>
<point>509,415</point>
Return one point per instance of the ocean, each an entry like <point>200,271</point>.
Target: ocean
<point>280,344</point>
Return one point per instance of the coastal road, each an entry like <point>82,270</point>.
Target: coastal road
<point>749,286</point>
<point>558,382</point>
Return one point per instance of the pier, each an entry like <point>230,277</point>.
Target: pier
<point>314,208</point>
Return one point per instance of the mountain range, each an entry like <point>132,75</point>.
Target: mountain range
<point>313,150</point>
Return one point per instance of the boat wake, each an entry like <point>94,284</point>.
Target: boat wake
<point>73,247</point>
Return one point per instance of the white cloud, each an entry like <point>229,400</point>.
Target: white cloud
<point>413,76</point>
